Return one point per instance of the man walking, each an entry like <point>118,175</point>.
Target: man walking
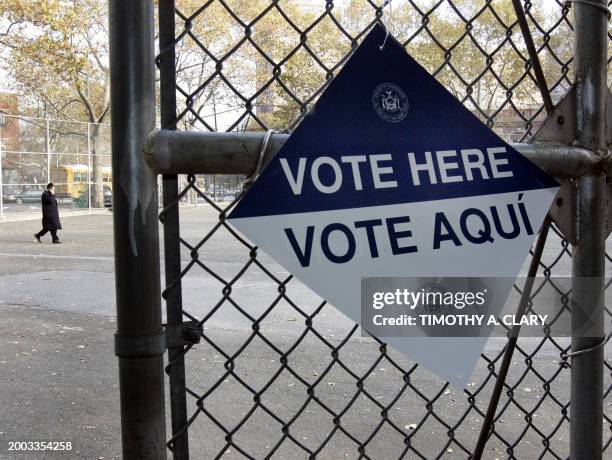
<point>50,221</point>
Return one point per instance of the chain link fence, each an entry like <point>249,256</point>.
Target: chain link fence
<point>286,376</point>
<point>74,155</point>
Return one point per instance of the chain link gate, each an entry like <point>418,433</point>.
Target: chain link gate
<point>361,400</point>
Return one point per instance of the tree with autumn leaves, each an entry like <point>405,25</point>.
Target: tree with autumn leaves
<point>246,53</point>
<point>56,54</point>
<point>274,57</point>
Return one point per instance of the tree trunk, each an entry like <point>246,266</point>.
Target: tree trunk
<point>97,177</point>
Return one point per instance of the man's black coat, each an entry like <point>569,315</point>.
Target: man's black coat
<point>50,220</point>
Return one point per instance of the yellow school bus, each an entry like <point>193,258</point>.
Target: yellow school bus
<point>71,180</point>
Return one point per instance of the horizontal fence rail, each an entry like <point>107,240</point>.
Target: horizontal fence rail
<point>183,152</point>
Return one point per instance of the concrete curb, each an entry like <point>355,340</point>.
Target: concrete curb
<point>63,213</point>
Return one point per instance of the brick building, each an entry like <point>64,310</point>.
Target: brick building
<point>9,142</point>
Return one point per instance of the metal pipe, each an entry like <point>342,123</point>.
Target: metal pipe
<point>89,168</point>
<point>48,147</point>
<point>140,338</point>
<point>561,161</point>
<point>533,56</point>
<point>586,403</point>
<point>180,152</point>
<point>187,152</point>
<point>489,419</point>
<point>1,179</point>
<point>172,250</point>
<point>588,270</point>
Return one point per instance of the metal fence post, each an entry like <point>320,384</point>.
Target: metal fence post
<point>586,406</point>
<point>48,147</point>
<point>1,178</point>
<point>172,248</point>
<point>140,337</point>
<point>89,166</point>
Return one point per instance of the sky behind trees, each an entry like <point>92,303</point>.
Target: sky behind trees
<point>56,57</point>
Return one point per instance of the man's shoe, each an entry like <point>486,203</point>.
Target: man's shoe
<point>37,238</point>
<point>57,242</point>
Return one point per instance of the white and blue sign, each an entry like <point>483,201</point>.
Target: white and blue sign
<point>391,176</point>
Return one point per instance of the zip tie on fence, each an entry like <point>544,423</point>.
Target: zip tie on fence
<point>596,5</point>
<point>385,23</point>
<point>605,340</point>
<point>262,153</point>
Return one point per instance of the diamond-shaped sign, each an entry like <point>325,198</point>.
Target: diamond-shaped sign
<point>391,176</point>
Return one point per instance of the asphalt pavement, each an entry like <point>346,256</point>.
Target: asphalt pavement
<point>57,304</point>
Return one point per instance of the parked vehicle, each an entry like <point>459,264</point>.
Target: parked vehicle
<point>83,199</point>
<point>9,198</point>
<point>231,195</point>
<point>28,196</point>
<point>108,197</point>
